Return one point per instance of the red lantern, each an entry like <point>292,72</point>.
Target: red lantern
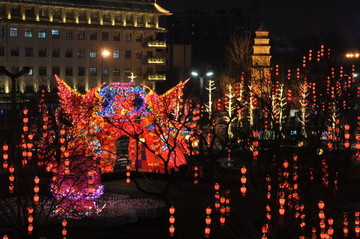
<point>64,223</point>
<point>171,230</point>
<point>222,220</point>
<point>268,216</point>
<point>25,111</point>
<point>30,219</point>
<point>11,178</point>
<point>5,237</point>
<point>30,228</point>
<point>11,188</point>
<point>67,170</point>
<point>5,156</point>
<point>62,131</point>
<point>285,164</point>
<point>5,147</point>
<point>321,205</point>
<point>64,232</point>
<point>5,165</point>
<point>36,198</point>
<point>207,231</point>
<point>282,201</point>
<point>222,210</point>
<point>321,215</point>
<point>128,180</point>
<point>36,180</point>
<point>66,154</point>
<point>347,136</point>
<point>243,170</point>
<point>243,179</point>
<point>30,210</point>
<point>281,211</point>
<point>346,127</point>
<point>347,144</point>
<point>172,210</point>
<point>217,186</point>
<point>208,220</point>
<point>243,190</point>
<point>208,210</point>
<point>36,189</point>
<point>172,219</point>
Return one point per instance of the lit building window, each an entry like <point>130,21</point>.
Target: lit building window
<point>92,54</point>
<point>42,33</point>
<point>28,32</point>
<point>116,54</point>
<point>55,34</point>
<point>14,31</point>
<point>43,12</point>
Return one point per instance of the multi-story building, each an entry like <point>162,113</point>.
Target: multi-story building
<point>85,42</point>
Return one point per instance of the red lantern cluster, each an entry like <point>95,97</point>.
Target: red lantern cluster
<point>172,221</point>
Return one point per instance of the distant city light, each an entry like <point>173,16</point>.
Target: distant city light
<point>353,55</point>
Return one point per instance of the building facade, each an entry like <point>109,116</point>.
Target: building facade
<point>84,42</point>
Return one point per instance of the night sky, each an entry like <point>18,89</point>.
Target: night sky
<point>288,18</point>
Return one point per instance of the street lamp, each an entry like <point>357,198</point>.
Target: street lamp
<point>201,77</point>
<point>105,53</point>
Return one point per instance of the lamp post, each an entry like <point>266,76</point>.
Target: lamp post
<point>201,77</point>
<point>105,53</point>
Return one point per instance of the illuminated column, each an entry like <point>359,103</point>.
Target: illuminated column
<point>50,14</point>
<point>22,12</point>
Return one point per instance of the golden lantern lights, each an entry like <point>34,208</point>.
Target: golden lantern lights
<point>243,188</point>
<point>172,221</point>
<point>196,174</point>
<point>128,173</point>
<point>64,230</point>
<point>5,156</point>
